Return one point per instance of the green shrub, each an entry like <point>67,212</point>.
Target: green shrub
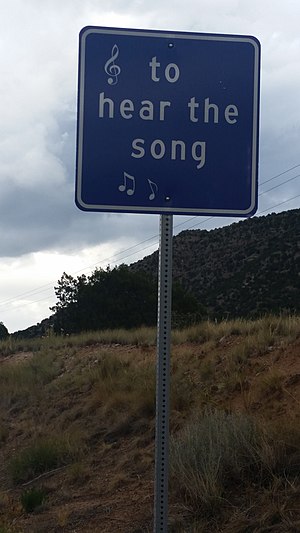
<point>3,434</point>
<point>32,498</point>
<point>43,455</point>
<point>122,386</point>
<point>271,382</point>
<point>5,529</point>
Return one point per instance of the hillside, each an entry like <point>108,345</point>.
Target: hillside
<point>246,269</point>
<point>78,419</point>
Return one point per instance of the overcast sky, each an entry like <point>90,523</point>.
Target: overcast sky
<point>42,232</point>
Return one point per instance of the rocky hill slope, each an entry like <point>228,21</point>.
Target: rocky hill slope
<point>247,269</point>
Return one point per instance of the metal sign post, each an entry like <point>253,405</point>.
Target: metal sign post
<point>163,375</point>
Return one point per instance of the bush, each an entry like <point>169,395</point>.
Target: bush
<point>32,498</point>
<point>214,452</point>
<point>3,332</point>
<point>17,382</point>
<point>43,455</point>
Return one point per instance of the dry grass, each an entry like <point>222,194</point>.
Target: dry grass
<point>270,327</point>
<point>271,382</point>
<point>257,333</point>
<point>219,455</point>
<point>44,454</point>
<point>213,451</point>
<point>95,393</point>
<point>20,381</point>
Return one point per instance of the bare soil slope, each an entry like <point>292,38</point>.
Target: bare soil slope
<point>94,405</point>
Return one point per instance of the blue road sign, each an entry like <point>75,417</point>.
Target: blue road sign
<point>167,122</point>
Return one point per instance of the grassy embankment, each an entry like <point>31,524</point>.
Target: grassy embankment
<point>78,417</point>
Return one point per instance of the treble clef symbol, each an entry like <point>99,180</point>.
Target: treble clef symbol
<point>111,69</point>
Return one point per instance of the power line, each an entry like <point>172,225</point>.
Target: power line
<point>276,186</point>
<point>259,185</point>
<point>49,286</point>
<point>259,213</point>
<point>277,205</point>
<point>281,174</point>
<point>269,208</point>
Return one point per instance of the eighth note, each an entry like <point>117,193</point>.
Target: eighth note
<point>110,68</point>
<point>128,185</point>
<point>154,189</point>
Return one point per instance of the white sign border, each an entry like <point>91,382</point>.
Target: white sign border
<point>85,32</point>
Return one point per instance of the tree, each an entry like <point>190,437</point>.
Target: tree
<point>112,298</point>
<point>185,308</point>
<point>117,298</point>
<point>66,319</point>
<point>3,332</point>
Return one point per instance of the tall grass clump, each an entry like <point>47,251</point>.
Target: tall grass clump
<point>32,498</point>
<point>123,385</point>
<point>210,331</point>
<point>282,326</point>
<point>44,454</point>
<point>5,529</point>
<point>107,366</point>
<point>3,433</point>
<point>264,330</point>
<point>142,335</point>
<point>215,452</point>
<point>138,336</point>
<point>10,346</point>
<point>18,381</point>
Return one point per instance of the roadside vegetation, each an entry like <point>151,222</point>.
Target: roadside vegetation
<point>78,424</point>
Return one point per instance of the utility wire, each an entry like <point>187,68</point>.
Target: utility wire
<point>276,186</point>
<point>45,287</point>
<point>259,213</point>
<point>281,174</point>
<point>259,185</point>
<point>49,286</point>
<point>268,209</point>
<point>277,205</point>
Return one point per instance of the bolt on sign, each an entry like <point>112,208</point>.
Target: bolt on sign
<point>167,122</point>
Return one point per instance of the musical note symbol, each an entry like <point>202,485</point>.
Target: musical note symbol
<point>128,185</point>
<point>112,70</point>
<point>154,189</point>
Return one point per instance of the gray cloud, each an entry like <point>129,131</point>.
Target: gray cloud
<point>38,64</point>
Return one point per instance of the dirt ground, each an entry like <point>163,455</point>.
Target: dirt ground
<point>111,488</point>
